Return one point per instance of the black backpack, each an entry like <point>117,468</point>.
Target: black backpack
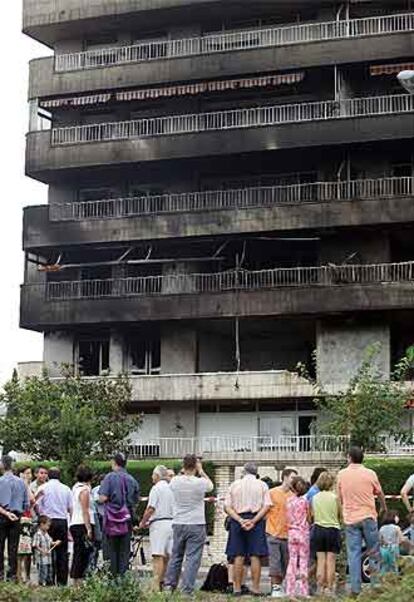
<point>217,579</point>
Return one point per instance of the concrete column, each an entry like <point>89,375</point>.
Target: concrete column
<point>341,348</point>
<point>116,352</point>
<point>57,350</point>
<point>224,476</point>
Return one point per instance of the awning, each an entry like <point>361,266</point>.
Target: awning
<point>390,69</point>
<point>76,101</point>
<point>178,90</point>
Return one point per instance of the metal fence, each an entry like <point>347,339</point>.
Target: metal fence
<point>229,445</point>
<point>235,41</point>
<point>241,198</point>
<point>243,280</point>
<point>233,119</point>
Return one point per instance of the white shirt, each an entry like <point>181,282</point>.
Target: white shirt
<point>189,492</point>
<point>77,514</point>
<point>161,498</point>
<point>410,483</point>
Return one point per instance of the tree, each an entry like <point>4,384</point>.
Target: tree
<point>371,409</point>
<point>69,420</point>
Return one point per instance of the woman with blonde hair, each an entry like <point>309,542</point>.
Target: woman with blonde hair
<point>327,532</point>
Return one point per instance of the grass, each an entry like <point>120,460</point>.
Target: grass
<point>103,589</point>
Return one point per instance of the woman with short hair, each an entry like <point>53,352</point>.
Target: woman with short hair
<point>327,532</point>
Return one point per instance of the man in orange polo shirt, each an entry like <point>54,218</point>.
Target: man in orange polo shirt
<point>277,532</point>
<point>357,488</point>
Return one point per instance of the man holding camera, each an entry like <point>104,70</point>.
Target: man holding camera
<point>189,524</point>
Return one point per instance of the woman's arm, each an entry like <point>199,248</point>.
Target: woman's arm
<point>84,498</point>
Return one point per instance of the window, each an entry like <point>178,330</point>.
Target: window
<point>92,356</point>
<point>144,353</point>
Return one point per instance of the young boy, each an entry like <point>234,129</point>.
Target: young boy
<point>43,547</point>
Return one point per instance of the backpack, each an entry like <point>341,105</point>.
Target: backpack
<point>217,579</point>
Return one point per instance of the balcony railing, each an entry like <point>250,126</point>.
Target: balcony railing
<point>230,445</point>
<point>231,280</point>
<point>241,198</point>
<point>233,119</point>
<point>235,41</point>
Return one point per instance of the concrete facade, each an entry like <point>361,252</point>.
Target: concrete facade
<point>185,297</point>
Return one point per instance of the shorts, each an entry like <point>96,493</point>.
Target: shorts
<point>161,537</point>
<point>278,556</point>
<point>246,543</point>
<point>326,539</point>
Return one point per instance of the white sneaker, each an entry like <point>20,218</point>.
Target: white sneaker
<point>277,592</point>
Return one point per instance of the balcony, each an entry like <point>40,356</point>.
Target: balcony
<point>215,212</point>
<point>289,448</point>
<point>52,20</point>
<point>229,53</point>
<point>220,133</point>
<point>219,386</point>
<point>275,292</point>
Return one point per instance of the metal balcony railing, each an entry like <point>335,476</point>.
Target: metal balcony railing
<point>231,280</point>
<point>233,119</point>
<point>230,445</point>
<point>235,41</point>
<point>241,198</point>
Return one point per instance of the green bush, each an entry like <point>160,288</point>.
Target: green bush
<point>391,472</point>
<point>142,471</point>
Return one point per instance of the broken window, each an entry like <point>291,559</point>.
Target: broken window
<point>93,356</point>
<point>144,353</point>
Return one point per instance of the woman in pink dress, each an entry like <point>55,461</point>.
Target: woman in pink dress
<point>298,518</point>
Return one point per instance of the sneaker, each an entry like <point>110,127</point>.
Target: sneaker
<point>277,592</point>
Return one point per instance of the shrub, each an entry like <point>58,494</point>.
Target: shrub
<point>391,472</point>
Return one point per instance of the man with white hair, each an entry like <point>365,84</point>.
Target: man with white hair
<point>247,503</point>
<point>158,516</point>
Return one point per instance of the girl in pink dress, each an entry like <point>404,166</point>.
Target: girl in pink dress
<point>298,518</point>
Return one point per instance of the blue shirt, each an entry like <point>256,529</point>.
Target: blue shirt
<point>113,489</point>
<point>311,493</point>
<point>13,494</point>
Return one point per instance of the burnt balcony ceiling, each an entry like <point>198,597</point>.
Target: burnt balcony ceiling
<point>318,290</point>
<point>229,53</point>
<point>50,21</point>
<point>312,205</point>
<point>265,128</point>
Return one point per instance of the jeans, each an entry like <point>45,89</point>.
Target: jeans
<point>188,541</point>
<point>60,556</point>
<point>117,551</point>
<point>355,534</point>
<point>45,574</point>
<point>11,531</point>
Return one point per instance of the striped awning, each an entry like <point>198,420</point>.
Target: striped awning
<point>76,101</point>
<point>391,69</point>
<point>177,90</point>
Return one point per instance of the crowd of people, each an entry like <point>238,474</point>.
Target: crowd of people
<point>295,527</point>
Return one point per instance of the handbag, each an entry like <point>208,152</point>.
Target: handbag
<point>117,520</point>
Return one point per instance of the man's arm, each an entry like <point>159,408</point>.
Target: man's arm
<point>405,492</point>
<point>204,475</point>
<point>149,511</point>
<point>381,497</point>
<point>104,490</point>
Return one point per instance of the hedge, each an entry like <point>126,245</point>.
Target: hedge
<point>142,471</point>
<point>391,472</point>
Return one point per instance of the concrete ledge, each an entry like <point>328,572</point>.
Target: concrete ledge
<point>37,313</point>
<point>44,81</point>
<point>39,231</point>
<point>46,162</point>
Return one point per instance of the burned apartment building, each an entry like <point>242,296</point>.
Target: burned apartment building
<point>231,189</point>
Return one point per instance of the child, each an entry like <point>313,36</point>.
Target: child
<point>326,532</point>
<point>297,511</point>
<point>391,537</point>
<point>43,547</point>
